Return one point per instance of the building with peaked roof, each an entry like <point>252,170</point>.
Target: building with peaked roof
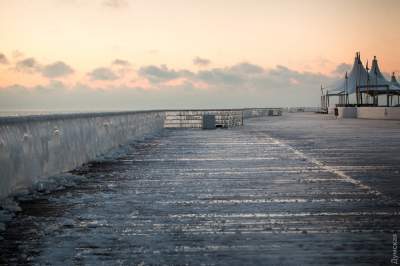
<point>362,87</point>
<point>358,76</point>
<point>394,81</point>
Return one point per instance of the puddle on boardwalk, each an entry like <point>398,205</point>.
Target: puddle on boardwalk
<point>261,194</point>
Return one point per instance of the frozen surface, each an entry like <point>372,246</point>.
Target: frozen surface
<point>300,189</point>
<point>34,148</point>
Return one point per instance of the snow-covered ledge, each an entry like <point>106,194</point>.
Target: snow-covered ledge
<point>32,148</point>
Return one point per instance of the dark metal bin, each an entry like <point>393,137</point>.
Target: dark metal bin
<point>209,121</point>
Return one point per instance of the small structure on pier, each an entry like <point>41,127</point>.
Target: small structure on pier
<point>206,119</point>
<point>209,121</point>
<point>362,87</point>
<point>218,118</point>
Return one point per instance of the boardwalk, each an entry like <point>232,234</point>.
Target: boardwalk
<point>301,189</point>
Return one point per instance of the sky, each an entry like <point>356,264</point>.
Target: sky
<point>157,54</point>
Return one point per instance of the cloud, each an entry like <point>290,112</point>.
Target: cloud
<point>219,76</point>
<point>234,76</point>
<point>3,59</point>
<point>102,73</point>
<point>246,68</point>
<point>79,97</point>
<point>242,76</point>
<point>198,61</point>
<point>57,69</point>
<point>120,62</point>
<point>341,69</point>
<point>121,67</point>
<point>240,85</point>
<point>115,3</point>
<point>157,74</point>
<point>28,65</point>
<point>51,87</point>
<point>229,76</point>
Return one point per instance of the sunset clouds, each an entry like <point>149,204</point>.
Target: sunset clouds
<point>198,61</point>
<point>3,59</point>
<point>199,53</point>
<point>122,84</point>
<point>57,69</point>
<point>102,73</point>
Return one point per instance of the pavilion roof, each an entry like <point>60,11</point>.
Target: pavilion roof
<point>360,77</point>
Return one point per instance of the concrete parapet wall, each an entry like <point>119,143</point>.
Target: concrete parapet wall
<point>303,109</point>
<point>35,147</point>
<point>224,118</point>
<point>390,113</point>
<point>258,112</point>
<point>194,118</point>
<point>347,112</point>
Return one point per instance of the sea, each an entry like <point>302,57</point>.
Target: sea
<point>29,112</point>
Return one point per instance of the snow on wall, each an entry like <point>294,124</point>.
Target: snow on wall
<point>257,112</point>
<point>194,118</point>
<point>33,148</point>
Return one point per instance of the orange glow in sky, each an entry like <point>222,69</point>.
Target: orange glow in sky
<point>306,36</point>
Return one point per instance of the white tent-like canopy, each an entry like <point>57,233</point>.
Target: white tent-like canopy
<point>359,77</point>
<point>394,81</point>
<point>360,86</point>
<point>377,79</point>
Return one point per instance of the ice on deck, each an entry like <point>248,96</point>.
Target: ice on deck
<point>302,189</point>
